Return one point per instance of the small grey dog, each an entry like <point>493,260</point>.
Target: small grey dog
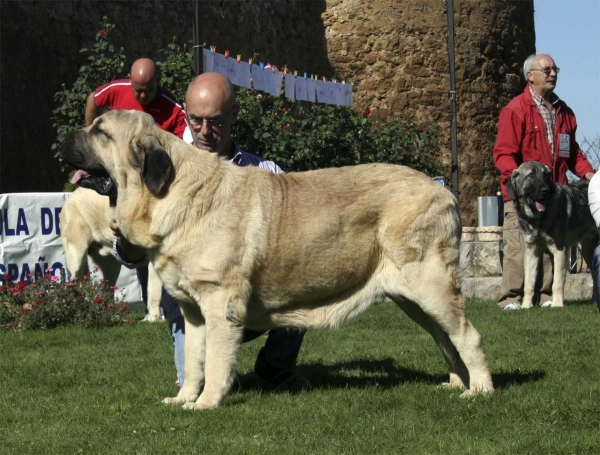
<point>552,216</point>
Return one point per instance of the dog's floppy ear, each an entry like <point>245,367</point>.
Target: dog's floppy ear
<point>158,170</point>
<point>511,185</point>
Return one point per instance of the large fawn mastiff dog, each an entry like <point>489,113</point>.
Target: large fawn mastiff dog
<point>552,217</point>
<point>242,247</point>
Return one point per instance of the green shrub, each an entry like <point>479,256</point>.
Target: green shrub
<point>51,302</point>
<point>297,135</point>
<point>104,63</point>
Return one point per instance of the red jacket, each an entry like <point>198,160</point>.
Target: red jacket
<point>522,137</point>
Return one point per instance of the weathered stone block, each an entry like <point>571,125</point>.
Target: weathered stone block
<point>482,287</point>
<point>466,259</point>
<point>578,286</point>
<point>486,259</point>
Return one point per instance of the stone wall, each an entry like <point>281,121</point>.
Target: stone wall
<point>395,51</point>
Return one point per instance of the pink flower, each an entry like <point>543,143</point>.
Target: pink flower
<point>286,126</point>
<point>123,308</point>
<point>54,278</point>
<point>113,288</point>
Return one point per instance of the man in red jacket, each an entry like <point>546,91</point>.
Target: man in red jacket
<point>141,91</point>
<point>534,126</point>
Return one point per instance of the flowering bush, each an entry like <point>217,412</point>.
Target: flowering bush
<point>296,135</point>
<point>50,302</point>
<point>302,136</point>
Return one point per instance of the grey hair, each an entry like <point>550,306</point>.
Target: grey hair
<point>229,89</point>
<point>529,62</point>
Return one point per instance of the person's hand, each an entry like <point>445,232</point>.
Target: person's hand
<point>133,253</point>
<point>114,227</point>
<point>589,175</point>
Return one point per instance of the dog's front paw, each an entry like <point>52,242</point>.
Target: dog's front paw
<point>198,405</point>
<point>173,400</point>
<point>180,398</point>
<point>454,383</point>
<point>471,393</point>
<point>526,304</point>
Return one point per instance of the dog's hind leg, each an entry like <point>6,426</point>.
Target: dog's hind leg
<point>75,235</point>
<point>588,245</point>
<point>459,374</point>
<point>435,302</point>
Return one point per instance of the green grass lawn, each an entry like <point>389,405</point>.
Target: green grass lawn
<point>69,391</point>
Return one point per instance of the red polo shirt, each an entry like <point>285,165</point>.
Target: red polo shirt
<point>165,110</point>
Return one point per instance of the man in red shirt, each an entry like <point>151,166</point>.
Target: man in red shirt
<point>141,91</point>
<point>534,126</point>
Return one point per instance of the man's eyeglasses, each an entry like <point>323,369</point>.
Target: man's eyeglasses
<point>215,122</point>
<point>548,70</point>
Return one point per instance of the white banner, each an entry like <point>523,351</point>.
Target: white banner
<point>30,241</point>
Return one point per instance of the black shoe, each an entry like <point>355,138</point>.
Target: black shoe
<point>289,378</point>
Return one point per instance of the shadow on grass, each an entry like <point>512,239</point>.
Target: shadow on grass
<point>509,379</point>
<point>382,373</point>
<point>343,375</point>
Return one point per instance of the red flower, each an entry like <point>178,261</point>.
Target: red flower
<point>113,288</point>
<point>286,126</point>
<point>111,305</point>
<point>21,285</point>
<point>123,308</point>
<point>368,111</point>
<point>12,325</point>
<point>286,108</point>
<point>101,32</point>
<point>6,276</point>
<point>128,321</point>
<point>4,288</point>
<point>97,300</point>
